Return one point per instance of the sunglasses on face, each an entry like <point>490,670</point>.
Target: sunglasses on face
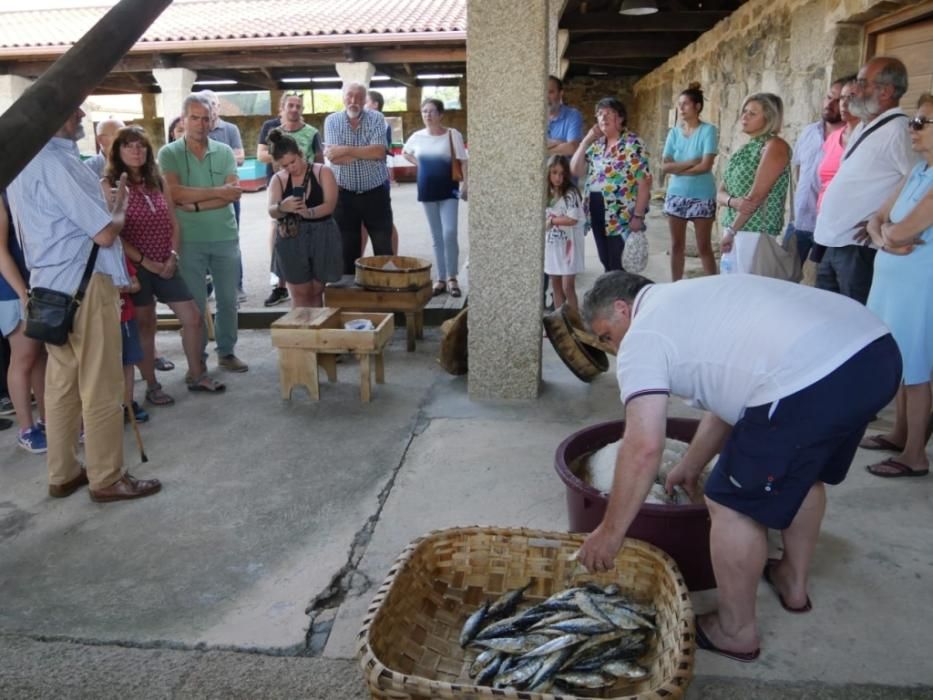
<point>917,123</point>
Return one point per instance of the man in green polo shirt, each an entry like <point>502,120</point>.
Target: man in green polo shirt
<point>202,176</point>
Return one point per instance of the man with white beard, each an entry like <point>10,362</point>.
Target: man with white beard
<point>877,158</point>
<point>355,146</point>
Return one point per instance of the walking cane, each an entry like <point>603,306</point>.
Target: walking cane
<point>139,438</point>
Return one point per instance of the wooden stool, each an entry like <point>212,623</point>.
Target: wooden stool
<point>347,295</point>
<point>308,338</point>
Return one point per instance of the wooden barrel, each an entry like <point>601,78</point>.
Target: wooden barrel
<point>585,361</point>
<point>393,273</point>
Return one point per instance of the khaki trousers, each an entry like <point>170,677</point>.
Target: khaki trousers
<point>84,378</point>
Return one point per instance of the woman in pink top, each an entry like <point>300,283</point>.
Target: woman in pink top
<point>834,147</point>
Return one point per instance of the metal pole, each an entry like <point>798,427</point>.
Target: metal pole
<point>35,117</point>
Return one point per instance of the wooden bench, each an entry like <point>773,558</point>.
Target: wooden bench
<point>347,295</point>
<point>310,338</point>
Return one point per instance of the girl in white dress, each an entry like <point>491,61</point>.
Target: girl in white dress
<point>563,247</point>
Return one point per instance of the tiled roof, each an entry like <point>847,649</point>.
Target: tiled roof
<point>212,20</point>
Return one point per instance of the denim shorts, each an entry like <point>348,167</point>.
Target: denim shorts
<point>11,315</point>
<point>777,451</point>
<point>132,348</point>
<point>152,287</point>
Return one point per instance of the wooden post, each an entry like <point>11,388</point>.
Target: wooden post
<point>35,117</point>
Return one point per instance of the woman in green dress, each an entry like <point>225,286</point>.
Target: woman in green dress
<point>755,182</point>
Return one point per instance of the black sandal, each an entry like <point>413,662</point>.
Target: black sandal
<point>454,288</point>
<point>439,288</point>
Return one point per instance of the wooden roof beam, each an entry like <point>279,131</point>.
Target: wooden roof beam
<point>401,77</point>
<point>698,22</point>
<point>630,48</point>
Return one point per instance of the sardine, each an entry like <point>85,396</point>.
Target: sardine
<point>555,617</point>
<point>473,625</point>
<point>482,660</point>
<point>588,606</point>
<point>585,680</point>
<point>552,664</point>
<point>625,669</point>
<point>582,625</point>
<point>514,645</point>
<point>556,644</point>
<point>623,617</point>
<point>507,602</point>
<point>486,675</point>
<point>519,674</point>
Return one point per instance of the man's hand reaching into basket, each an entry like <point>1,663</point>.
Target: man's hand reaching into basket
<point>599,551</point>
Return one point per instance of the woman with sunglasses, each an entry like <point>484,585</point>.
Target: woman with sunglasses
<point>151,238</point>
<point>902,296</point>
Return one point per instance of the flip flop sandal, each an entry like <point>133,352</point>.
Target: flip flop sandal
<point>163,364</point>
<point>876,442</point>
<point>900,469</point>
<point>207,385</point>
<point>766,575</point>
<point>704,643</point>
<point>157,397</point>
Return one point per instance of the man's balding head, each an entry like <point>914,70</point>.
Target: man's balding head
<point>105,131</point>
<point>880,85</point>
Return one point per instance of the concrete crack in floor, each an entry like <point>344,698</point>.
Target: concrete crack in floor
<point>323,608</point>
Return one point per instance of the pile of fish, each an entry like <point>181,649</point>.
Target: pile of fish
<point>583,637</point>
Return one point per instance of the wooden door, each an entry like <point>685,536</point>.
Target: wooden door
<point>909,37</point>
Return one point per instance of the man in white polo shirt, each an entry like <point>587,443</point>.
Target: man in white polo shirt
<point>877,158</point>
<point>790,377</point>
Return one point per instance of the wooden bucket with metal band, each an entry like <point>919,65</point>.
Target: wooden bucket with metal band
<point>393,272</point>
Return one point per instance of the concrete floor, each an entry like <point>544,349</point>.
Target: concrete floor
<point>273,509</point>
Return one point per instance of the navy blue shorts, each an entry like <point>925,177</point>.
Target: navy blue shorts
<point>777,451</point>
<point>132,349</point>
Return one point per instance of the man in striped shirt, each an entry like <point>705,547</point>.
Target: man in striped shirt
<point>60,214</point>
<point>355,145</point>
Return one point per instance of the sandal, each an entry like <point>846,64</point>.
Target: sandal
<point>439,288</point>
<point>207,384</point>
<point>163,364</point>
<point>454,288</point>
<point>157,397</point>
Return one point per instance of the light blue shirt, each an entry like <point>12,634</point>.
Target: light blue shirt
<point>808,152</point>
<point>704,141</point>
<point>566,126</point>
<point>58,207</point>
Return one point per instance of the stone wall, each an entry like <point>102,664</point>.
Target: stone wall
<point>583,92</point>
<point>793,48</point>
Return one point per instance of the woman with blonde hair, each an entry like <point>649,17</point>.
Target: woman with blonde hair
<point>754,185</point>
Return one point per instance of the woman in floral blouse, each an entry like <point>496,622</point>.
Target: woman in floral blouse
<point>614,164</point>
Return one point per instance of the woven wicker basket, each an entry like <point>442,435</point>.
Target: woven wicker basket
<point>408,645</point>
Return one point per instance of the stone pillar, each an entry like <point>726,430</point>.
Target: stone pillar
<point>507,195</point>
<point>555,49</point>
<point>357,72</point>
<point>11,87</point>
<point>176,86</point>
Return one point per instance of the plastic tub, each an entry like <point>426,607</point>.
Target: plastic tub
<point>681,531</point>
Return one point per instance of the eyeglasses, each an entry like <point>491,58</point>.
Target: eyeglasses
<point>862,83</point>
<point>917,123</point>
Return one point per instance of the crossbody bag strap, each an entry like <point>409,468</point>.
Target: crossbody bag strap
<point>868,132</point>
<point>88,271</point>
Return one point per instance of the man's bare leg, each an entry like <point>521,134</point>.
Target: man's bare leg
<point>790,576</point>
<point>739,548</point>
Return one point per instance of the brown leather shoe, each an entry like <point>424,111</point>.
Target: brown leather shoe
<point>69,487</point>
<point>126,488</point>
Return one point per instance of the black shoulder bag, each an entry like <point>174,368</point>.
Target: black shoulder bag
<point>50,314</point>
